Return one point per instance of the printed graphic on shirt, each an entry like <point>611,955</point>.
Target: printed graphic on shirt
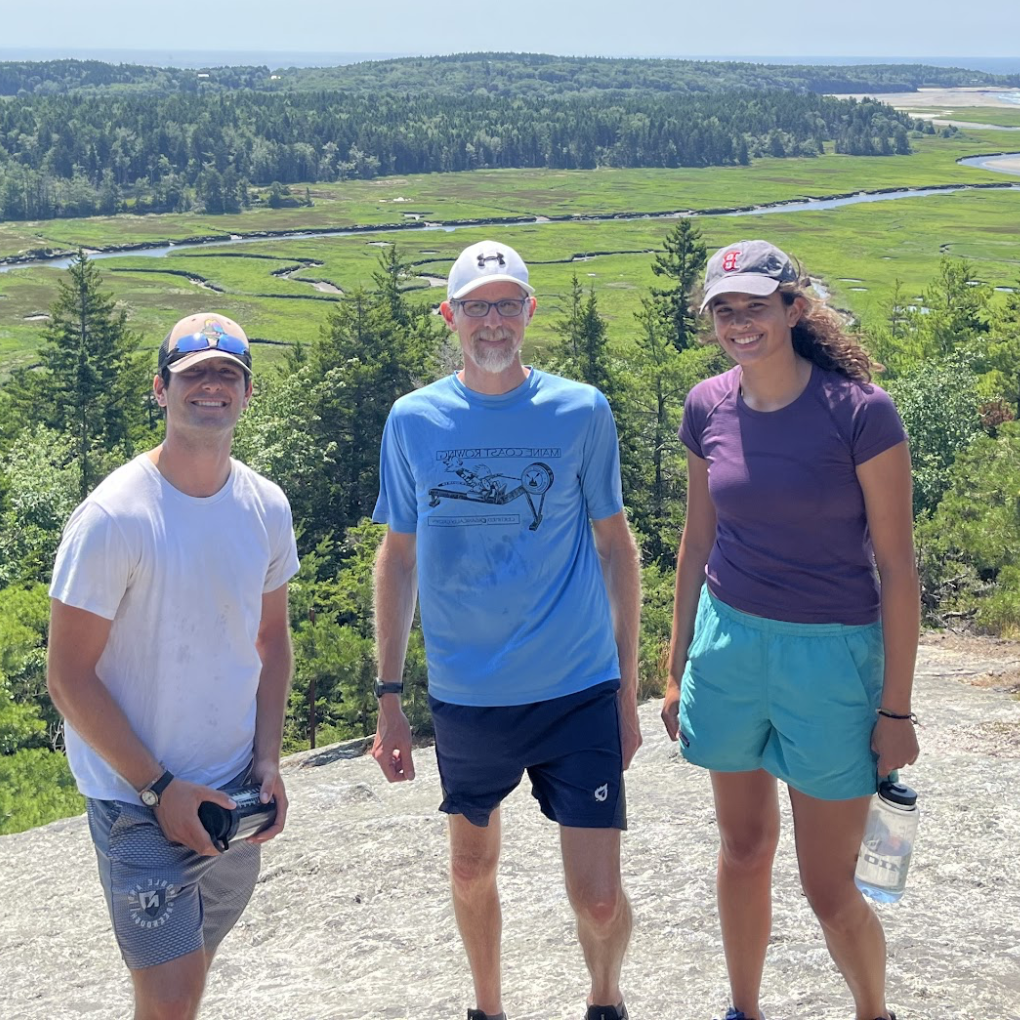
<point>477,482</point>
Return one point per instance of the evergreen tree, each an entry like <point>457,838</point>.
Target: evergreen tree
<point>569,329</point>
<point>681,263</point>
<point>92,384</point>
<point>584,347</point>
<point>656,401</point>
<point>1001,358</point>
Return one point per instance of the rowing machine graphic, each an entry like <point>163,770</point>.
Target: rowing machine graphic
<point>482,486</point>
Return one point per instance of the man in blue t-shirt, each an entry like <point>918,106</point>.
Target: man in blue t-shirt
<point>500,485</point>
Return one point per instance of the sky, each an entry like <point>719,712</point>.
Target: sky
<point>595,27</point>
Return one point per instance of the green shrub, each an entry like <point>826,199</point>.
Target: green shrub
<point>36,787</point>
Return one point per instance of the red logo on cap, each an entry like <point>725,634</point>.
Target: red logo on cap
<point>730,260</point>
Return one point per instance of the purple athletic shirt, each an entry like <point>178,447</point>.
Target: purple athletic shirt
<point>792,538</point>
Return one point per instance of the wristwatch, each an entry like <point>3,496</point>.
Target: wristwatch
<point>150,794</point>
<point>388,687</point>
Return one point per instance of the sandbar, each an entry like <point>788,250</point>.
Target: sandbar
<point>950,99</point>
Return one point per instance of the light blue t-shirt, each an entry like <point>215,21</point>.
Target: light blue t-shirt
<point>499,491</point>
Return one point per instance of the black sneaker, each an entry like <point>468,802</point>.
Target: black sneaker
<point>736,1014</point>
<point>477,1014</point>
<point>607,1013</point>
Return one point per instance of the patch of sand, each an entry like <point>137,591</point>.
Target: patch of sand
<point>1011,166</point>
<point>948,98</point>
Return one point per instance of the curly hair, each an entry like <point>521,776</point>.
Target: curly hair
<point>820,335</point>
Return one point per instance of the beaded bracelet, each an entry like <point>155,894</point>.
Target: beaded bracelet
<point>896,715</point>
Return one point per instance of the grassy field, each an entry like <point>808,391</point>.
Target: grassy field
<point>269,286</point>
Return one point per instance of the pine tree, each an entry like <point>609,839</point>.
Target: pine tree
<point>682,263</point>
<point>91,386</point>
<point>584,344</point>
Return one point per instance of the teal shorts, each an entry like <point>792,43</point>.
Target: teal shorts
<point>795,699</point>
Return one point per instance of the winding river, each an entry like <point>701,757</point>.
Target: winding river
<point>1008,163</point>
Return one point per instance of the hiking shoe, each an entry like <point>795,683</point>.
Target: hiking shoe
<point>607,1013</point>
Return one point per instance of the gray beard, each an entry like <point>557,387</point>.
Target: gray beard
<point>492,359</point>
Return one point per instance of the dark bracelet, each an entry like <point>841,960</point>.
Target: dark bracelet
<point>896,715</point>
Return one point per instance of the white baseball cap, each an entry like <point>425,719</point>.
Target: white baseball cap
<point>486,262</point>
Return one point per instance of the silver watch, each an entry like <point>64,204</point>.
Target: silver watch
<point>150,794</point>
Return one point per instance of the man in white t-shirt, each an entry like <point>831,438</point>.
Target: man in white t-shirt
<point>170,660</point>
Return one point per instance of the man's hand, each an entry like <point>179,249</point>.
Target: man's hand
<point>630,728</point>
<point>895,743</point>
<point>671,708</point>
<point>267,774</point>
<point>177,814</point>
<point>392,746</point>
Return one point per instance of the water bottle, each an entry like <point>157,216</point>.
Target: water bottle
<point>888,842</point>
<point>249,817</point>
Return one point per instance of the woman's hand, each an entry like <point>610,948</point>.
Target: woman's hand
<point>671,708</point>
<point>895,743</point>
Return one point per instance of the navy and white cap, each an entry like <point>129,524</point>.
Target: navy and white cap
<point>486,262</point>
<point>747,267</point>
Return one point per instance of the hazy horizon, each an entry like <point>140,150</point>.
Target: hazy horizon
<point>276,58</point>
<point>648,28</point>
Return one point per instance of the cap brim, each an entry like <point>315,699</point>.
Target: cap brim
<point>481,281</point>
<point>198,356</point>
<point>746,283</point>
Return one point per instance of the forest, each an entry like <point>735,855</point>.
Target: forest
<point>72,155</point>
<point>509,74</point>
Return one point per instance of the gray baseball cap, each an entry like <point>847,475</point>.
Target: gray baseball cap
<point>747,267</point>
<point>486,262</point>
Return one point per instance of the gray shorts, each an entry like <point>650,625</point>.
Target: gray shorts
<point>165,901</point>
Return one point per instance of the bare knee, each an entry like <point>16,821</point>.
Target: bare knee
<point>470,871</point>
<point>750,851</point>
<point>181,1004</point>
<point>599,904</point>
<point>170,991</point>
<point>836,903</point>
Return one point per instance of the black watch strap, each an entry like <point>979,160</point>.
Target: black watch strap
<point>162,783</point>
<point>156,788</point>
<point>388,687</point>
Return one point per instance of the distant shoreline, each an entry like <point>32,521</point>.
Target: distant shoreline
<point>949,99</point>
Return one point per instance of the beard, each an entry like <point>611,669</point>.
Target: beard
<point>489,358</point>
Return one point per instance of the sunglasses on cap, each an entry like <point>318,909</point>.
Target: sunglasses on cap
<point>215,339</point>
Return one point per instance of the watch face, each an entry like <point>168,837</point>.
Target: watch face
<point>149,798</point>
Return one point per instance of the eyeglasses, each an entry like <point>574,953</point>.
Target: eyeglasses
<point>215,339</point>
<point>509,308</point>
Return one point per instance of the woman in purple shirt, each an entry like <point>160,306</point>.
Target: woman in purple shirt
<point>797,613</point>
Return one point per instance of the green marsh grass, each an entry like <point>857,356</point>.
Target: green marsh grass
<point>874,243</point>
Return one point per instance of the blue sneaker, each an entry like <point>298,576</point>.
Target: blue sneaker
<point>737,1014</point>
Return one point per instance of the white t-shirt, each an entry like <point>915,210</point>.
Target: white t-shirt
<point>182,579</point>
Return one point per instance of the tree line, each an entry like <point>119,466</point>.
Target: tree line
<point>315,428</point>
<point>73,155</point>
<point>547,75</point>
<point>507,74</point>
